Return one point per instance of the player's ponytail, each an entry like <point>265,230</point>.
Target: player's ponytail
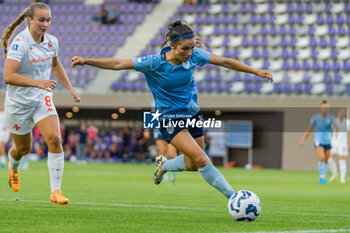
<point>6,35</point>
<point>179,29</point>
<point>28,12</point>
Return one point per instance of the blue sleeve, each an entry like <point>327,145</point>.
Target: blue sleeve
<point>201,56</point>
<point>143,64</point>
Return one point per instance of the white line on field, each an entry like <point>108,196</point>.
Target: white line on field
<point>311,214</point>
<point>112,204</point>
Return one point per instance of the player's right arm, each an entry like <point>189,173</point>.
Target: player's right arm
<point>12,77</point>
<point>306,134</point>
<point>103,63</point>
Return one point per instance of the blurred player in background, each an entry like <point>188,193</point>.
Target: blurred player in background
<point>340,146</point>
<point>30,59</point>
<point>322,122</point>
<point>169,75</point>
<point>4,136</point>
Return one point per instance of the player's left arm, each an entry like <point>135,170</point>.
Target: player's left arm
<point>61,75</point>
<point>238,66</point>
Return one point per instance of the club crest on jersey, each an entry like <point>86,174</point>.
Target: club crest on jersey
<point>15,47</point>
<point>141,59</point>
<point>49,45</point>
<point>186,65</point>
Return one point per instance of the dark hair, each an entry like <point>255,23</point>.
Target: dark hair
<point>324,102</point>
<point>28,12</point>
<point>176,29</point>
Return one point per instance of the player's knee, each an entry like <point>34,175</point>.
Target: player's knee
<point>54,140</point>
<point>200,159</point>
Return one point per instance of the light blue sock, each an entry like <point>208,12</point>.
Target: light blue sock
<point>325,169</point>
<point>216,179</point>
<point>175,164</point>
<point>321,169</point>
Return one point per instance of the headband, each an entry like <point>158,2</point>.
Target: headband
<point>186,35</point>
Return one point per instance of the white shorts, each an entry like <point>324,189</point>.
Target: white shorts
<point>22,118</point>
<point>340,149</point>
<point>4,136</point>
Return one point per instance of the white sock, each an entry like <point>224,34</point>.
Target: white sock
<point>2,159</point>
<point>342,168</point>
<point>55,163</point>
<point>332,166</point>
<point>14,164</point>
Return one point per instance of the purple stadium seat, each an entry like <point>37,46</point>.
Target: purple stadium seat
<point>329,88</point>
<point>308,88</point>
<point>347,90</point>
<point>328,78</point>
<point>256,53</point>
<point>306,65</point>
<point>341,31</point>
<point>311,30</point>
<point>326,66</point>
<point>248,87</point>
<point>277,87</point>
<point>298,88</point>
<point>237,77</point>
<point>316,66</point>
<point>337,78</point>
<point>287,88</point>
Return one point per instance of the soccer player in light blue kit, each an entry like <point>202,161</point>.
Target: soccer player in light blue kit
<point>322,122</point>
<point>169,75</point>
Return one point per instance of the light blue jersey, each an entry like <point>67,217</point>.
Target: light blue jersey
<point>323,126</point>
<point>173,87</point>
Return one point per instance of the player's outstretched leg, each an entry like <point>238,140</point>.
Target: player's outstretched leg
<point>197,160</point>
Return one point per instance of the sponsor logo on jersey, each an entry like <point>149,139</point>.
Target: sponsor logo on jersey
<point>49,109</point>
<point>39,60</point>
<point>17,40</point>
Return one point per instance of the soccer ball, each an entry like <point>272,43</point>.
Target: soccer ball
<point>244,205</point>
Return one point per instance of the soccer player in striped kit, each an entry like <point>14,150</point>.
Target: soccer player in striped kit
<point>30,59</point>
<point>169,75</point>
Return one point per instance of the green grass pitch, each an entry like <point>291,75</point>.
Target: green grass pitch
<point>123,198</point>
